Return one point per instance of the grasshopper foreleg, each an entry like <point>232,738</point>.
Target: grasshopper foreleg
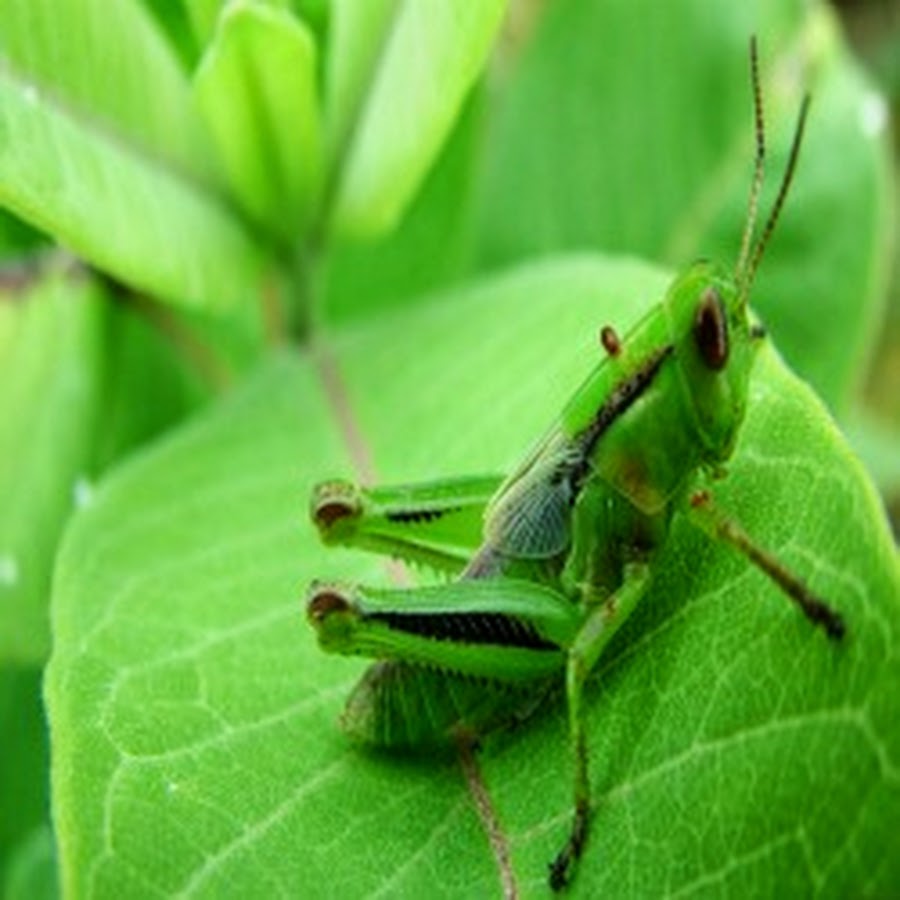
<point>704,513</point>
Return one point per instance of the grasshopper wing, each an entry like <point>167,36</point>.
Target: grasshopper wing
<point>530,515</point>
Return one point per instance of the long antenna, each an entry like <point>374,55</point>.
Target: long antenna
<point>749,259</point>
<point>782,193</point>
<point>758,167</point>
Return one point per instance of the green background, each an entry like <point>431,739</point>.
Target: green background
<point>247,250</point>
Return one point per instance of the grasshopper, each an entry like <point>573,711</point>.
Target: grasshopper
<point>550,561</point>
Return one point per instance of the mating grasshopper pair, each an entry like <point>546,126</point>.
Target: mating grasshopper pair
<point>550,561</point>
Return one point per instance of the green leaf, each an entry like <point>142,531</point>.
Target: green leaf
<point>110,61</point>
<point>428,250</point>
<point>878,444</point>
<point>397,76</point>
<point>32,870</point>
<point>203,15</point>
<point>17,238</point>
<point>24,777</point>
<point>647,148</point>
<point>85,381</point>
<point>193,718</point>
<point>150,381</point>
<point>256,87</point>
<point>126,212</point>
<point>358,32</point>
<point>315,13</point>
<point>49,396</point>
<point>176,23</point>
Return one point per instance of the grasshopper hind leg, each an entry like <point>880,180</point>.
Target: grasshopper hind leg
<point>436,523</point>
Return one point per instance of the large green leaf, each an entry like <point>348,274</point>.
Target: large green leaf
<point>358,32</point>
<point>256,85</point>
<point>16,238</point>
<point>32,871</point>
<point>203,15</point>
<point>126,212</point>
<point>85,380</point>
<point>24,777</point>
<point>176,21</point>
<point>150,383</point>
<point>397,75</point>
<point>428,250</point>
<point>193,718</point>
<point>49,405</point>
<point>110,61</point>
<point>627,126</point>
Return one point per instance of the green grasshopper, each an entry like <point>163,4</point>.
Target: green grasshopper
<point>550,561</point>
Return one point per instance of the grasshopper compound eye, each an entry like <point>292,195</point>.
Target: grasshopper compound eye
<point>711,330</point>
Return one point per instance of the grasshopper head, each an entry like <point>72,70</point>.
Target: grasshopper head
<point>714,344</point>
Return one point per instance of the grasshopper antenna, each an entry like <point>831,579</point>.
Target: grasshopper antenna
<point>746,270</point>
<point>759,165</point>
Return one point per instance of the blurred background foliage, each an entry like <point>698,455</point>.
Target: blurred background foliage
<point>873,30</point>
<point>94,367</point>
